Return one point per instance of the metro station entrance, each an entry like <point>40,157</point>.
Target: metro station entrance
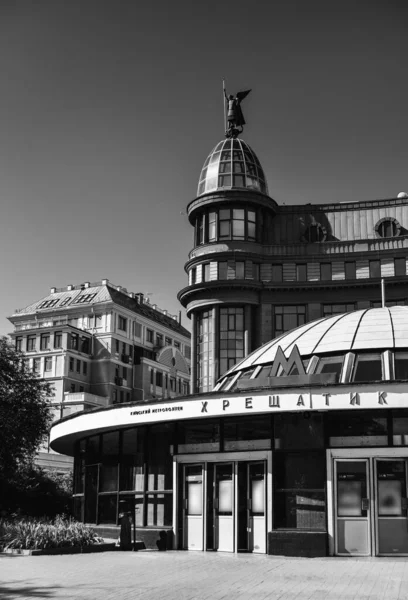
<point>224,506</point>
<point>370,506</point>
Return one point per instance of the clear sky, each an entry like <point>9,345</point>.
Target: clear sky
<point>108,110</point>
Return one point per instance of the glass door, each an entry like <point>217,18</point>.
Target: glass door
<point>91,493</point>
<point>224,507</point>
<point>193,501</point>
<point>256,508</point>
<point>391,506</point>
<point>352,507</point>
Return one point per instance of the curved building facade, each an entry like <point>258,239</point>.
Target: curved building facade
<point>300,449</point>
<point>259,269</point>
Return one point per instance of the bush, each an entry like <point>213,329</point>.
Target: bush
<point>38,534</point>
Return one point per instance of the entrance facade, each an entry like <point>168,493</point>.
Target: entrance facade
<point>223,504</point>
<point>369,503</point>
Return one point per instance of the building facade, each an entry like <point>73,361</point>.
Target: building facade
<point>99,345</point>
<point>259,269</point>
<point>301,449</point>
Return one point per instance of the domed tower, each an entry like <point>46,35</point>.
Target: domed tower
<point>230,216</point>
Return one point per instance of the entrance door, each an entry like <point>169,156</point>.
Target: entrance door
<point>193,515</point>
<point>224,507</point>
<point>391,506</point>
<point>352,507</point>
<point>256,507</point>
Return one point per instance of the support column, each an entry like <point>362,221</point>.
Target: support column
<point>193,377</point>
<point>247,330</point>
<point>215,344</point>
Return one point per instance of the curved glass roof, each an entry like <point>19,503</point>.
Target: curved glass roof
<point>232,164</point>
<point>370,330</point>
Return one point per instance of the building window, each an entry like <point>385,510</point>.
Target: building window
<point>45,341</point>
<point>31,343</point>
<point>159,379</point>
<point>19,344</point>
<point>350,269</point>
<point>314,233</point>
<point>48,363</point>
<point>78,366</point>
<point>58,339</point>
<point>289,317</point>
<point>124,373</point>
<point>231,342</point>
<point>277,273</point>
<point>84,299</point>
<point>187,352</point>
<point>387,227</point>
<point>222,270</point>
<point>85,368</point>
<point>212,226</point>
<point>151,376</point>
<point>301,273</point>
<point>251,225</point>
<point>172,384</point>
<point>74,341</point>
<point>122,323</point>
<point>177,344</point>
<point>149,336</point>
<point>375,268</point>
<point>337,309</point>
<point>168,341</point>
<point>207,271</point>
<point>204,351</point>
<point>137,329</point>
<point>326,271</point>
<point>400,267</point>
<point>159,340</point>
<point>72,388</point>
<point>36,365</point>
<point>299,499</point>
<point>367,367</point>
<point>81,388</point>
<point>71,363</point>
<point>193,275</point>
<point>225,224</point>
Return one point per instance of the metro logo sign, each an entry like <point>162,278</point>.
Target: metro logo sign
<point>287,372</point>
<point>294,360</point>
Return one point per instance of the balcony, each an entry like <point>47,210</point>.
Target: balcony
<point>84,398</point>
<point>118,381</point>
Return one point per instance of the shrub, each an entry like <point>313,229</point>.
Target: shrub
<point>38,534</point>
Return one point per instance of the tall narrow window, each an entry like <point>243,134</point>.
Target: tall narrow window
<point>212,226</point>
<point>231,341</point>
<point>204,351</point>
<point>252,225</point>
<point>238,224</point>
<point>225,224</point>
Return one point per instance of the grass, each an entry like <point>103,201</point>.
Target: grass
<point>39,534</point>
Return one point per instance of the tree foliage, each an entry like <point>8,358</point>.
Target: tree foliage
<point>25,416</point>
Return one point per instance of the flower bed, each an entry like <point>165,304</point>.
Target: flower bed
<point>45,534</point>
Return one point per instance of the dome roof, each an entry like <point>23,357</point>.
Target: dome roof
<point>232,164</point>
<point>372,329</point>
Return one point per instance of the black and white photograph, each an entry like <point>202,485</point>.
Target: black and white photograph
<point>204,317</point>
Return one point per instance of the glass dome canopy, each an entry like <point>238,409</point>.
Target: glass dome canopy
<point>232,164</point>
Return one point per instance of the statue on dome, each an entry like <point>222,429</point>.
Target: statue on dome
<point>234,115</point>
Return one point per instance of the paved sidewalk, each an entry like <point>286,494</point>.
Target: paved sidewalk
<point>201,576</point>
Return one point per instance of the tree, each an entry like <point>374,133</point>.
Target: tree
<point>25,417</point>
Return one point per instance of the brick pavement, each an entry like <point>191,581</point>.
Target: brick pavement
<point>201,576</point>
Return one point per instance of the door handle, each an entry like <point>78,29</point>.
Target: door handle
<point>365,503</point>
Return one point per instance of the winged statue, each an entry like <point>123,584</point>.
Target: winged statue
<point>235,117</point>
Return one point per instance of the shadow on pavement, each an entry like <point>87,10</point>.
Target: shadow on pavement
<point>11,593</point>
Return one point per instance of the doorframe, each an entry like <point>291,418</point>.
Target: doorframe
<point>356,453</point>
<point>217,457</point>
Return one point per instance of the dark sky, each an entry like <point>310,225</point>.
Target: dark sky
<point>109,109</point>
